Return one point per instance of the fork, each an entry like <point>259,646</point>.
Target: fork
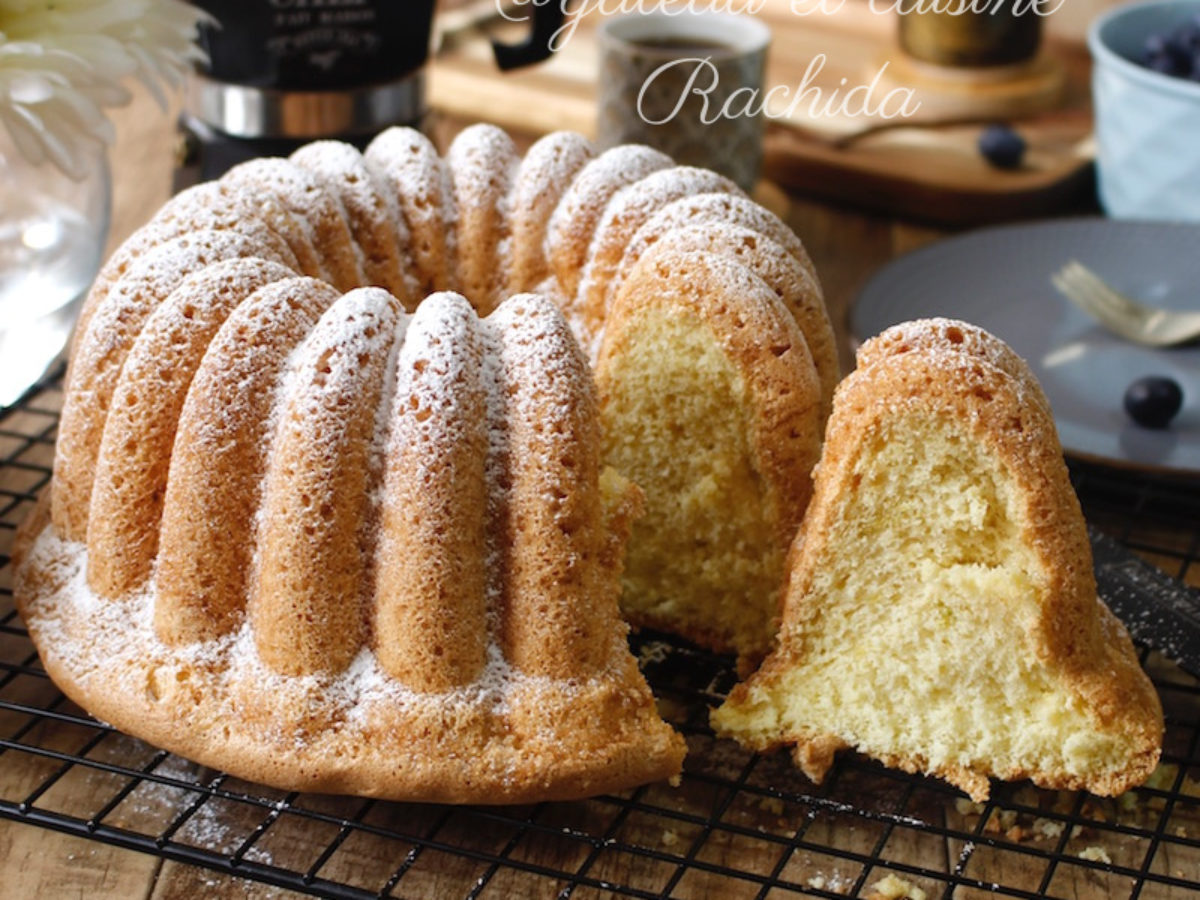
<point>1122,315</point>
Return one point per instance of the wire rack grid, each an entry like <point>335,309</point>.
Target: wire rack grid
<point>738,825</point>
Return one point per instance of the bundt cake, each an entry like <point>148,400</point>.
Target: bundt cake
<point>322,522</point>
<point>941,614</point>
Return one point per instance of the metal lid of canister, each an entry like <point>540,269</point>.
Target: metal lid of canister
<point>256,112</point>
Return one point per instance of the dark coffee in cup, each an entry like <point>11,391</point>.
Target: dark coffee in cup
<point>682,46</point>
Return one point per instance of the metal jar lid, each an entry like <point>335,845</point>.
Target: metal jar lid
<point>252,112</point>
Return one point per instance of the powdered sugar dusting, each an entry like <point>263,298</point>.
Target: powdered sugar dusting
<point>438,334</point>
<point>201,291</point>
<point>211,206</point>
<point>408,163</point>
<point>481,158</point>
<point>724,207</point>
<point>574,221</point>
<point>100,354</point>
<point>548,167</point>
<point>360,326</point>
<point>948,342</point>
<point>299,190</point>
<point>318,213</point>
<point>482,162</point>
<point>109,647</point>
<point>630,207</point>
<point>157,272</point>
<point>544,176</point>
<point>543,379</point>
<point>372,211</point>
<point>557,616</point>
<point>536,347</point>
<point>988,387</point>
<point>227,693</point>
<point>624,214</point>
<point>723,268</point>
<point>734,240</point>
<point>385,414</point>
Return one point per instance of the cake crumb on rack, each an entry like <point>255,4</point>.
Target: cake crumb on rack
<point>1095,854</point>
<point>891,887</point>
<point>1048,828</point>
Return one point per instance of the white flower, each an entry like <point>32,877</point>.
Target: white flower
<point>63,61</point>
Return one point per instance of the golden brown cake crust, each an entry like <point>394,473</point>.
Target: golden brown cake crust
<point>135,452</point>
<point>100,354</point>
<point>206,539</point>
<point>262,666</point>
<point>623,215</point>
<point>956,373</point>
<point>732,209</point>
<point>483,162</point>
<point>431,579</point>
<point>942,335</point>
<point>409,166</point>
<point>203,207</point>
<point>575,219</point>
<point>307,603</point>
<point>545,174</point>
<point>372,213</point>
<point>319,217</point>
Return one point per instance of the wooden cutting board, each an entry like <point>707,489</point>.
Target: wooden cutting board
<point>908,167</point>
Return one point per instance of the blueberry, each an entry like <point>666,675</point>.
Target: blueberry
<point>1153,401</point>
<point>1163,63</point>
<point>1163,54</point>
<point>1187,37</point>
<point>1175,52</point>
<point>1001,146</point>
<point>1156,45</point>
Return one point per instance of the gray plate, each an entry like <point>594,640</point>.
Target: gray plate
<point>999,278</point>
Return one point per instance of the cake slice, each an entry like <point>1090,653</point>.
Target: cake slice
<point>941,614</point>
<point>710,404</point>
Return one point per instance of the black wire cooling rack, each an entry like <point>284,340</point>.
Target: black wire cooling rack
<point>737,825</point>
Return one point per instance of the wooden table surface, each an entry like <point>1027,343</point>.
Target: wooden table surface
<point>847,246</point>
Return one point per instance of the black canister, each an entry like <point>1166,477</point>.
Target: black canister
<point>281,73</point>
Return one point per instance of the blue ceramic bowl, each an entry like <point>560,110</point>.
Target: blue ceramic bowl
<point>1147,123</point>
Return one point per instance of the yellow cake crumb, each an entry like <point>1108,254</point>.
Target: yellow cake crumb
<point>891,887</point>
<point>1048,828</point>
<point>1095,854</point>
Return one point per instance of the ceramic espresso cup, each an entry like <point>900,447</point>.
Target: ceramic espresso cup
<point>689,84</point>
